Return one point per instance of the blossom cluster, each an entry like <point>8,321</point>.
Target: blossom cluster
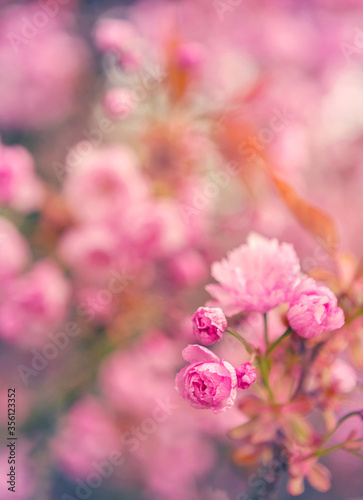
<point>140,145</point>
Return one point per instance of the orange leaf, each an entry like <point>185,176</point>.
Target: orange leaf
<point>319,224</point>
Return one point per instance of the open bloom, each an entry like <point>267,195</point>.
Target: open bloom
<point>313,310</point>
<point>254,277</point>
<point>209,324</point>
<point>246,375</point>
<point>208,382</point>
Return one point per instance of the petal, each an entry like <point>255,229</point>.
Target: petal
<point>319,477</point>
<point>195,353</point>
<point>295,486</point>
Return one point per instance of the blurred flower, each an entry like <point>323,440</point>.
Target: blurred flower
<point>302,465</point>
<point>19,187</point>
<point>14,251</point>
<point>149,366</point>
<point>208,382</point>
<point>103,182</point>
<point>34,304</point>
<point>209,324</point>
<point>35,89</point>
<point>121,37</point>
<point>343,376</point>
<point>119,102</point>
<point>86,435</point>
<point>313,310</point>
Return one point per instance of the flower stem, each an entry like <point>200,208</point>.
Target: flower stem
<point>265,329</point>
<point>245,344</point>
<point>276,343</point>
<point>336,447</point>
<point>340,421</point>
<point>262,363</point>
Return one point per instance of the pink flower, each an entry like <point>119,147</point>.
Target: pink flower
<point>254,277</point>
<point>103,182</point>
<point>36,90</point>
<point>14,251</point>
<point>120,36</point>
<point>91,250</point>
<point>34,304</point>
<point>246,375</point>
<point>119,102</point>
<point>19,187</point>
<point>188,268</point>
<point>313,310</point>
<point>87,434</point>
<point>209,324</point>
<point>343,376</point>
<point>208,382</point>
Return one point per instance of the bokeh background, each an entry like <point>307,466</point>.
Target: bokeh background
<point>149,138</point>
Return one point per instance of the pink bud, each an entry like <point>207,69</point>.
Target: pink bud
<point>246,375</point>
<point>209,324</point>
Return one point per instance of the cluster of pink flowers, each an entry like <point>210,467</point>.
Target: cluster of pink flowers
<point>215,126</point>
<point>256,277</point>
<point>264,274</point>
<point>33,298</point>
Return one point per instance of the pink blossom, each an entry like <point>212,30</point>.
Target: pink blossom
<point>254,277</point>
<point>103,182</point>
<point>246,375</point>
<point>149,366</point>
<point>36,90</point>
<point>19,187</point>
<point>195,455</point>
<point>209,324</point>
<point>34,304</point>
<point>91,250</point>
<point>14,251</point>
<point>190,55</point>
<point>188,268</point>
<point>208,382</point>
<point>87,435</point>
<point>119,36</point>
<point>119,102</point>
<point>343,376</point>
<point>313,310</point>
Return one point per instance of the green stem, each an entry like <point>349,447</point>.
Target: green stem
<point>264,372</point>
<point>336,447</point>
<point>276,343</point>
<point>343,419</point>
<point>265,329</point>
<point>245,344</point>
<point>358,455</point>
<point>328,450</point>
